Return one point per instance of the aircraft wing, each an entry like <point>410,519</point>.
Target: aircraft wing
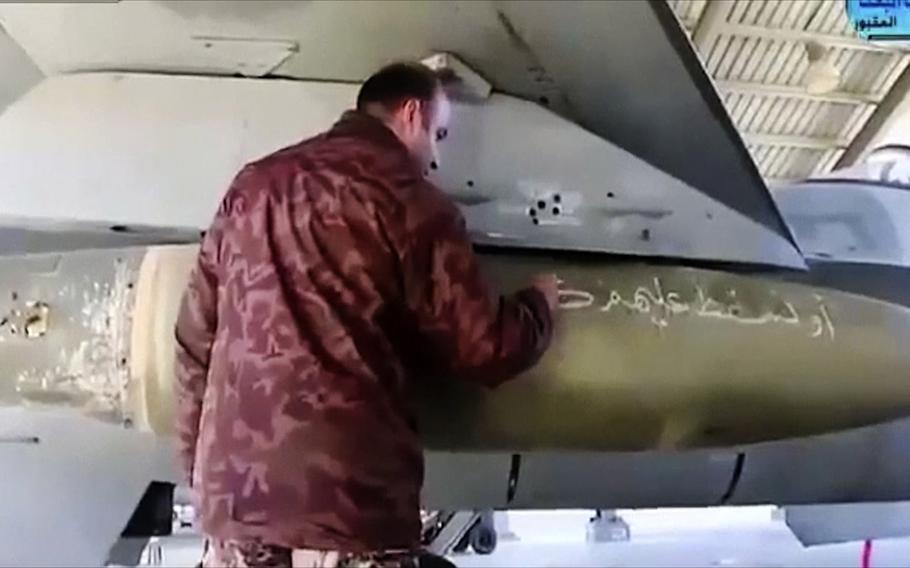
<point>624,71</point>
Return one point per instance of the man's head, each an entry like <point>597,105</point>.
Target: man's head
<point>410,99</point>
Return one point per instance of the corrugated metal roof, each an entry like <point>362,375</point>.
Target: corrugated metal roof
<point>788,115</point>
<point>756,50</point>
<point>786,162</point>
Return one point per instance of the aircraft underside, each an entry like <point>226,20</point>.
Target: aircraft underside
<point>712,349</point>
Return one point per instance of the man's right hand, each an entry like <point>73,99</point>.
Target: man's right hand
<point>548,285</point>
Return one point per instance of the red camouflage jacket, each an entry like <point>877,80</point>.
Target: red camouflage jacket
<point>332,278</point>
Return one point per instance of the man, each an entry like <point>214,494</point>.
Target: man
<point>333,278</point>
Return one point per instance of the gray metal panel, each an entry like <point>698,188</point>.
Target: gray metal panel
<point>18,239</point>
<point>826,524</point>
<point>640,480</point>
<point>70,484</point>
<point>861,465</point>
<point>19,73</point>
<point>465,481</point>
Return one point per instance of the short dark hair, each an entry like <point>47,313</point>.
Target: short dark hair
<point>394,84</point>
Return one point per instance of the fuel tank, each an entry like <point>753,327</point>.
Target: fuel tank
<point>646,357</point>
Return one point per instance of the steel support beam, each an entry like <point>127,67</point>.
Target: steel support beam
<point>802,36</point>
<point>841,97</point>
<point>808,142</point>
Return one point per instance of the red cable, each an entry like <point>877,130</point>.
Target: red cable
<point>867,554</point>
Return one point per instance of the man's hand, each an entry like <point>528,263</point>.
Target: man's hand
<point>548,284</point>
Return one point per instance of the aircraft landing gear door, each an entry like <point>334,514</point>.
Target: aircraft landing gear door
<point>620,480</point>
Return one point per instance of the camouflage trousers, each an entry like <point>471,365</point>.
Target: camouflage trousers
<point>254,554</point>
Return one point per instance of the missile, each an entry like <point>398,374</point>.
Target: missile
<point>646,356</point>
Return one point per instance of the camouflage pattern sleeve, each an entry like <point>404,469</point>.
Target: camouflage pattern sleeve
<point>477,336</point>
<point>195,333</point>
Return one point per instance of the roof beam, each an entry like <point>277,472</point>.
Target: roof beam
<point>789,91</point>
<point>808,142</point>
<point>802,36</point>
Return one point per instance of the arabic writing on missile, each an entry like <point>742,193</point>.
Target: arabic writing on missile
<point>661,306</point>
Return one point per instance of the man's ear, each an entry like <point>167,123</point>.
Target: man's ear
<point>411,112</point>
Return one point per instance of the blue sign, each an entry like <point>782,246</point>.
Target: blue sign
<point>880,20</point>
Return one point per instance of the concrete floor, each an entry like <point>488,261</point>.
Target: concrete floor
<point>700,537</point>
